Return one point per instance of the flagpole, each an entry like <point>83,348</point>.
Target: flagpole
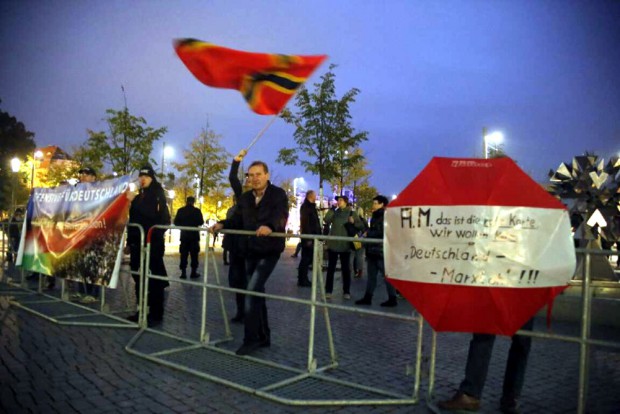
<point>262,132</point>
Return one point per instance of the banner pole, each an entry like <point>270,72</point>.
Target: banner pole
<point>262,132</point>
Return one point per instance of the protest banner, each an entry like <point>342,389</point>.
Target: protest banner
<point>76,232</point>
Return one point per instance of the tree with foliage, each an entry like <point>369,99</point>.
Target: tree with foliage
<point>352,176</point>
<point>288,186</point>
<point>323,130</point>
<point>58,173</point>
<point>216,204</point>
<point>364,193</point>
<point>206,160</point>
<point>126,146</point>
<point>18,142</point>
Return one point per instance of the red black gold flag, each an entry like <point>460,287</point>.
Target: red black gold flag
<point>267,81</point>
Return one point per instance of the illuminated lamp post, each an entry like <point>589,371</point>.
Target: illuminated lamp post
<point>15,165</point>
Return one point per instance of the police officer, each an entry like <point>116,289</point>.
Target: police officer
<point>149,208</point>
<point>189,216</point>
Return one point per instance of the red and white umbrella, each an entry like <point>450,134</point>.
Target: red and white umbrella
<point>475,245</point>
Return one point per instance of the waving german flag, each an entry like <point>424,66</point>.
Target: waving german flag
<point>267,81</point>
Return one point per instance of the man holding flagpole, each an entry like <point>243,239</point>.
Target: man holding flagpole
<point>262,210</point>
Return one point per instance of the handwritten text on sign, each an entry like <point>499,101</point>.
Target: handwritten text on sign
<point>478,245</point>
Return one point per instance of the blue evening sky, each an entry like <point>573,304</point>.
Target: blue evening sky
<point>431,73</point>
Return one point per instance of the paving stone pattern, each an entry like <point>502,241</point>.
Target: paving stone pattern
<point>49,368</point>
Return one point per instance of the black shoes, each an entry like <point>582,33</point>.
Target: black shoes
<point>304,283</point>
<point>238,318</point>
<point>366,300</point>
<point>248,348</point>
<point>460,402</point>
<point>251,346</point>
<point>134,317</point>
<point>194,275</point>
<point>152,320</point>
<point>183,275</point>
<point>509,406</point>
<point>390,303</point>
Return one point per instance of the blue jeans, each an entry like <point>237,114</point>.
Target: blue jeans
<point>256,323</point>
<point>479,357</point>
<point>376,265</point>
<point>357,257</point>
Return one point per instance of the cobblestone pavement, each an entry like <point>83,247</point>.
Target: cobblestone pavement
<point>48,368</point>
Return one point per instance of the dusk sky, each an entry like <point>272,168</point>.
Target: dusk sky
<point>432,74</point>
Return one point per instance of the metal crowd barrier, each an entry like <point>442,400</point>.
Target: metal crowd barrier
<point>584,340</point>
<point>59,309</point>
<point>283,375</point>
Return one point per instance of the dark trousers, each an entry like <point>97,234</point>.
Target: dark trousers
<point>237,279</point>
<point>190,248</point>
<point>479,357</point>
<point>376,265</point>
<point>307,249</point>
<point>157,267</point>
<point>332,260</point>
<point>258,270</point>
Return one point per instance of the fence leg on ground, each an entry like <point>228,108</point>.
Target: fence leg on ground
<point>418,358</point>
<point>64,295</point>
<point>204,336</point>
<point>311,363</point>
<point>227,331</point>
<point>328,326</point>
<point>584,347</point>
<point>431,370</point>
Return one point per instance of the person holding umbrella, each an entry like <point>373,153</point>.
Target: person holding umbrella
<point>478,360</point>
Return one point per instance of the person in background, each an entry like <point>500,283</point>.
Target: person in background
<point>149,208</point>
<point>478,360</point>
<point>263,210</point>
<point>357,255</point>
<point>15,232</point>
<point>237,277</point>
<point>374,255</point>
<point>189,216</point>
<point>337,249</point>
<point>309,224</point>
<point>297,250</point>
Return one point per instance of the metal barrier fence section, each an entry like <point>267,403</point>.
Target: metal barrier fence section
<point>28,292</point>
<point>304,382</point>
<point>315,374</point>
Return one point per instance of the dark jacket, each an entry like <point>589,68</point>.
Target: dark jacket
<point>375,231</point>
<point>272,211</point>
<point>148,209</point>
<point>231,241</point>
<point>189,216</point>
<point>309,218</point>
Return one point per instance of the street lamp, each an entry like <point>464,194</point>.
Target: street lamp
<point>167,152</point>
<point>342,159</point>
<point>171,194</point>
<point>37,155</point>
<point>15,164</point>
<point>490,140</point>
